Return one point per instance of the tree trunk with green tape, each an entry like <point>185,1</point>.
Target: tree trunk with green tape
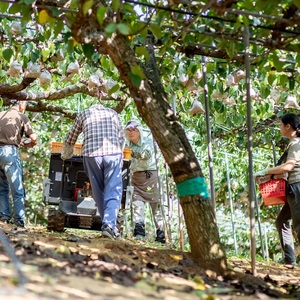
<point>153,106</point>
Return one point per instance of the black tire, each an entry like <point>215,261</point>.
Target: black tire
<point>56,220</point>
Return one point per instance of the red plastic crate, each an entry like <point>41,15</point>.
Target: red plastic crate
<point>273,192</point>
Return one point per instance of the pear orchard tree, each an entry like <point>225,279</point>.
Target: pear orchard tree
<point>150,52</point>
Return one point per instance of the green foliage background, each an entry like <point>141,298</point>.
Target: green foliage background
<point>276,67</point>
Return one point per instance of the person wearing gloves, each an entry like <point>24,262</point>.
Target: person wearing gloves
<point>102,151</point>
<point>144,179</point>
<point>14,124</point>
<point>290,212</point>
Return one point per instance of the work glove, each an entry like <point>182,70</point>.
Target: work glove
<point>26,143</point>
<point>67,152</point>
<point>261,173</point>
<point>63,157</point>
<point>136,154</point>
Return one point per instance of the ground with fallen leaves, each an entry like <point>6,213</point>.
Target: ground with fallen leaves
<point>79,264</point>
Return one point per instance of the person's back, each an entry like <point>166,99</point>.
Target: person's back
<point>103,142</point>
<point>101,122</point>
<point>13,125</point>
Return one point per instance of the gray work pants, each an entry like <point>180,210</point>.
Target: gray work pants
<point>289,215</point>
<point>146,190</point>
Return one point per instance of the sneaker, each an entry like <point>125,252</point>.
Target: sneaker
<point>160,236</point>
<point>109,232</point>
<point>3,220</point>
<point>281,261</point>
<point>289,265</point>
<point>139,230</point>
<point>139,237</point>
<point>19,223</point>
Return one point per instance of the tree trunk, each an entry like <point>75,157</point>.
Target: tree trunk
<point>153,107</point>
<point>203,233</point>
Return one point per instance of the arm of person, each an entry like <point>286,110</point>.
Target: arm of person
<point>71,138</point>
<point>288,166</point>
<point>33,138</point>
<point>29,141</point>
<point>143,152</point>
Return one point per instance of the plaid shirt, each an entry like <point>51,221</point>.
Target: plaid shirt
<point>102,131</point>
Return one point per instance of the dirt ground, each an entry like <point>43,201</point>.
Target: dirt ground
<point>79,264</point>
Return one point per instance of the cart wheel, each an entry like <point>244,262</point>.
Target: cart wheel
<point>56,220</point>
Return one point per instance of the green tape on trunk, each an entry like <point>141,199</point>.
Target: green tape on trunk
<point>193,186</point>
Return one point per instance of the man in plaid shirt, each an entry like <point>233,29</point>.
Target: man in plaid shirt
<point>102,150</point>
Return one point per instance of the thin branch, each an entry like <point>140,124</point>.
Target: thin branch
<point>260,15</point>
<point>217,8</point>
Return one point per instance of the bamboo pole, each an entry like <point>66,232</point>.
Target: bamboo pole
<point>250,148</point>
<point>208,134</point>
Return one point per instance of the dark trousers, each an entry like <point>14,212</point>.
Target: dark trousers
<point>289,215</point>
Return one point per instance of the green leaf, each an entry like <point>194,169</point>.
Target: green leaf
<point>55,12</point>
<point>28,2</point>
<point>45,53</point>
<point>67,36</point>
<point>144,33</point>
<point>70,43</point>
<point>210,67</point>
<point>7,54</point>
<point>136,80</point>
<point>4,7</point>
<point>137,70</point>
<point>41,37</point>
<point>246,20</point>
<point>88,50</point>
<point>283,80</point>
<point>277,63</point>
<point>248,4</point>
<point>58,28</point>
<point>271,78</point>
<point>142,51</point>
<point>297,3</point>
<point>156,30</point>
<point>230,49</point>
<point>95,57</point>
<point>101,13</point>
<point>160,17</point>
<point>104,62</point>
<point>87,5</point>
<point>34,55</point>
<point>26,13</point>
<point>127,7</point>
<point>114,89</point>
<point>116,5</point>
<point>110,28</point>
<point>123,28</point>
<point>15,8</point>
<point>291,83</point>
